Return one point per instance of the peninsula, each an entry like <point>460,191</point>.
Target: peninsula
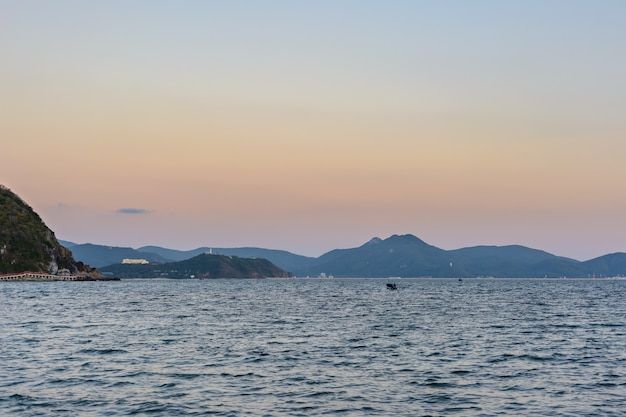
<point>29,250</point>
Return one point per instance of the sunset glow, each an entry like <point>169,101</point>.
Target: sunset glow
<point>309,126</point>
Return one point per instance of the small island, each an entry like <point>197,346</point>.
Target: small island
<point>204,266</point>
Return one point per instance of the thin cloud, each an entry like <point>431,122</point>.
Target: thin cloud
<point>129,210</point>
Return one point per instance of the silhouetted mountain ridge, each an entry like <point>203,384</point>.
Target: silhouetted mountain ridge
<point>398,255</point>
<point>607,265</point>
<point>408,256</point>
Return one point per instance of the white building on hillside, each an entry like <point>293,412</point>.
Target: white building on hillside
<point>135,261</point>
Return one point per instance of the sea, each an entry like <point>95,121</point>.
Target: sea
<point>312,347</point>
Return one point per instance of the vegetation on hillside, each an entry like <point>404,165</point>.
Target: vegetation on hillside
<point>26,243</point>
<point>203,266</point>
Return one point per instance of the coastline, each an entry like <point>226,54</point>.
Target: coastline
<point>43,277</point>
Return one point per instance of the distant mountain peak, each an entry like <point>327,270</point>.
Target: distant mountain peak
<point>373,241</point>
<point>405,238</point>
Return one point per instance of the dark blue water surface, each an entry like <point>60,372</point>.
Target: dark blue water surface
<point>313,347</point>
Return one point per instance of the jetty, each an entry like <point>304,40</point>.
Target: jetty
<point>43,277</point>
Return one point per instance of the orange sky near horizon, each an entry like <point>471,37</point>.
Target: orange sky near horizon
<point>317,126</point>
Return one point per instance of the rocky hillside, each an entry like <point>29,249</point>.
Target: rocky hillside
<point>27,244</point>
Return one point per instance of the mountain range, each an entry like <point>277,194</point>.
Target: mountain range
<point>396,256</point>
<point>27,244</point>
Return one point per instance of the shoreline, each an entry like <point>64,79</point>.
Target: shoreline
<point>28,276</point>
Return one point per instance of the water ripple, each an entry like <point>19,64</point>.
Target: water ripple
<point>296,347</point>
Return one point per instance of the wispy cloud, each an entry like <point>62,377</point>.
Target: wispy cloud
<point>130,210</point>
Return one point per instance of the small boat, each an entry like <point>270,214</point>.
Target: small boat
<point>391,286</point>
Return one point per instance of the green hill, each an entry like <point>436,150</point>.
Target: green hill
<point>203,266</point>
<point>286,260</point>
<point>27,244</point>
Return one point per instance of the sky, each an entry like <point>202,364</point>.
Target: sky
<point>313,125</point>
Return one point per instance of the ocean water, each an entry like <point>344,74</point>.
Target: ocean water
<point>313,347</point>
